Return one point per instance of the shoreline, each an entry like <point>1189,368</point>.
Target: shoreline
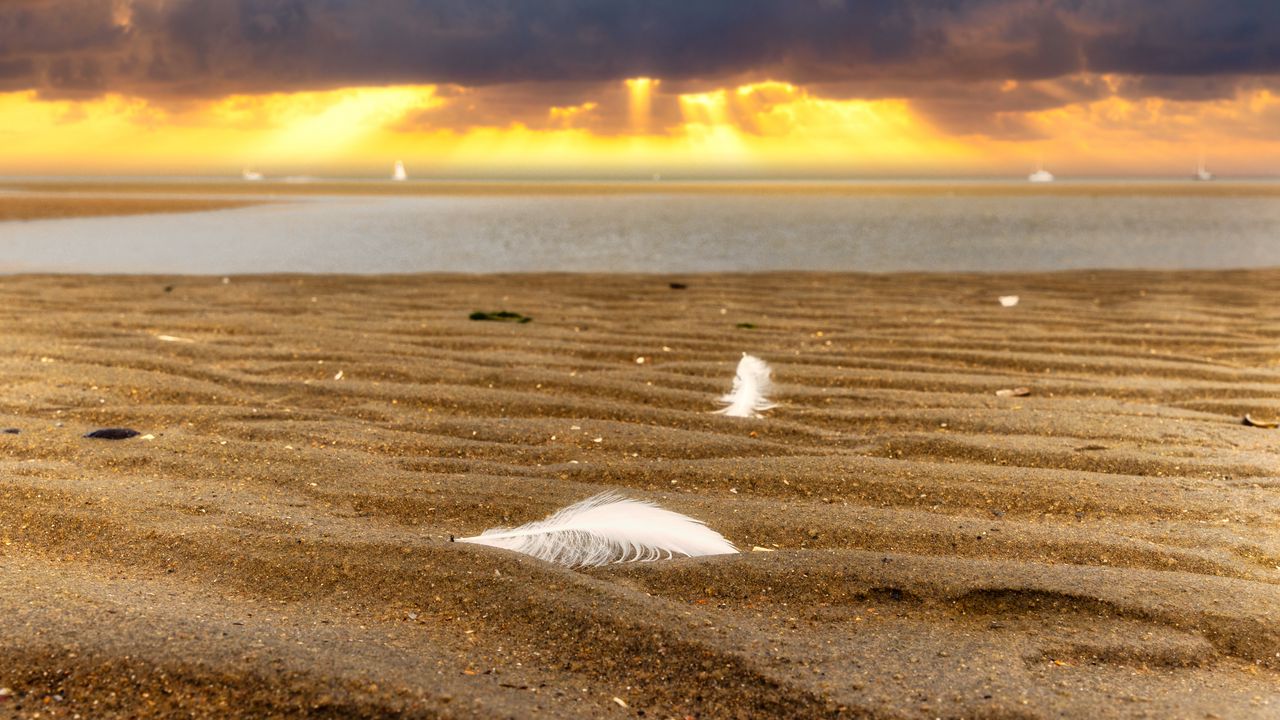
<point>966,188</point>
<point>26,208</point>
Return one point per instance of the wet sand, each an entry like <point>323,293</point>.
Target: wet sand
<point>47,207</point>
<point>1104,547</point>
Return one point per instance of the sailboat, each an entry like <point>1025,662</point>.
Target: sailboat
<point>1040,175</point>
<point>1201,173</point>
<point>399,175</point>
<point>251,175</point>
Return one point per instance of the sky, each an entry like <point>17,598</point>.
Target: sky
<point>634,88</point>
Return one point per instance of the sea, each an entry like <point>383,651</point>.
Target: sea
<point>720,229</point>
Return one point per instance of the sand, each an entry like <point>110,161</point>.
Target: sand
<point>801,188</point>
<point>277,543</point>
<point>53,206</point>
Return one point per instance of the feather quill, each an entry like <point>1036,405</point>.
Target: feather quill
<point>751,388</point>
<point>608,528</point>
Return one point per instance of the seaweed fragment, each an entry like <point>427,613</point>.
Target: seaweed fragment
<point>113,434</point>
<point>501,316</point>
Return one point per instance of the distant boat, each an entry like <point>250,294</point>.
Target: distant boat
<point>1040,175</point>
<point>252,175</point>
<point>1201,173</point>
<point>399,175</point>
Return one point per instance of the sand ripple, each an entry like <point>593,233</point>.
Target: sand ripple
<point>1106,546</point>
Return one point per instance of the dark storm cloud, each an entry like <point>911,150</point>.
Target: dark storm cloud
<point>1185,37</point>
<point>165,48</point>
<point>14,73</point>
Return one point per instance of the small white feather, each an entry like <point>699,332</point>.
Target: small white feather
<point>608,528</point>
<point>751,388</point>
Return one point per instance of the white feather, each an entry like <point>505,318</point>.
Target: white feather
<point>608,528</point>
<point>751,388</point>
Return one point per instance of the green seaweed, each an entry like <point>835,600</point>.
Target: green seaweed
<point>746,326</point>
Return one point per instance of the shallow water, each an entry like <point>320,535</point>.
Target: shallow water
<point>663,233</point>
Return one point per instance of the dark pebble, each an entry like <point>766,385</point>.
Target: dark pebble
<point>678,286</point>
<point>113,434</point>
<point>10,431</point>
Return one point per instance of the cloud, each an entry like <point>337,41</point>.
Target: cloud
<point>594,106</point>
<point>1184,37</point>
<point>969,66</point>
<point>222,46</point>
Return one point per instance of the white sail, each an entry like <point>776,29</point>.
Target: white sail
<point>399,174</point>
<point>1040,175</point>
<point>1201,172</point>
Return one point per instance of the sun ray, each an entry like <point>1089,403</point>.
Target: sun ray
<point>765,127</point>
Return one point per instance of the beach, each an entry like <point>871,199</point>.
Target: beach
<point>1264,187</point>
<point>55,206</point>
<point>276,541</point>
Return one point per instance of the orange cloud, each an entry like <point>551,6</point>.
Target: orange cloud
<point>567,116</point>
<point>1159,136</point>
<point>625,129</point>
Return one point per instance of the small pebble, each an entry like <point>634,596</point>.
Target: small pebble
<point>113,434</point>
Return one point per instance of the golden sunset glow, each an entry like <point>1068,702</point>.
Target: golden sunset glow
<point>636,89</point>
<point>757,128</point>
<point>639,91</point>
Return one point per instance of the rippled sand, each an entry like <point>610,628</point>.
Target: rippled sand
<point>1104,547</point>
